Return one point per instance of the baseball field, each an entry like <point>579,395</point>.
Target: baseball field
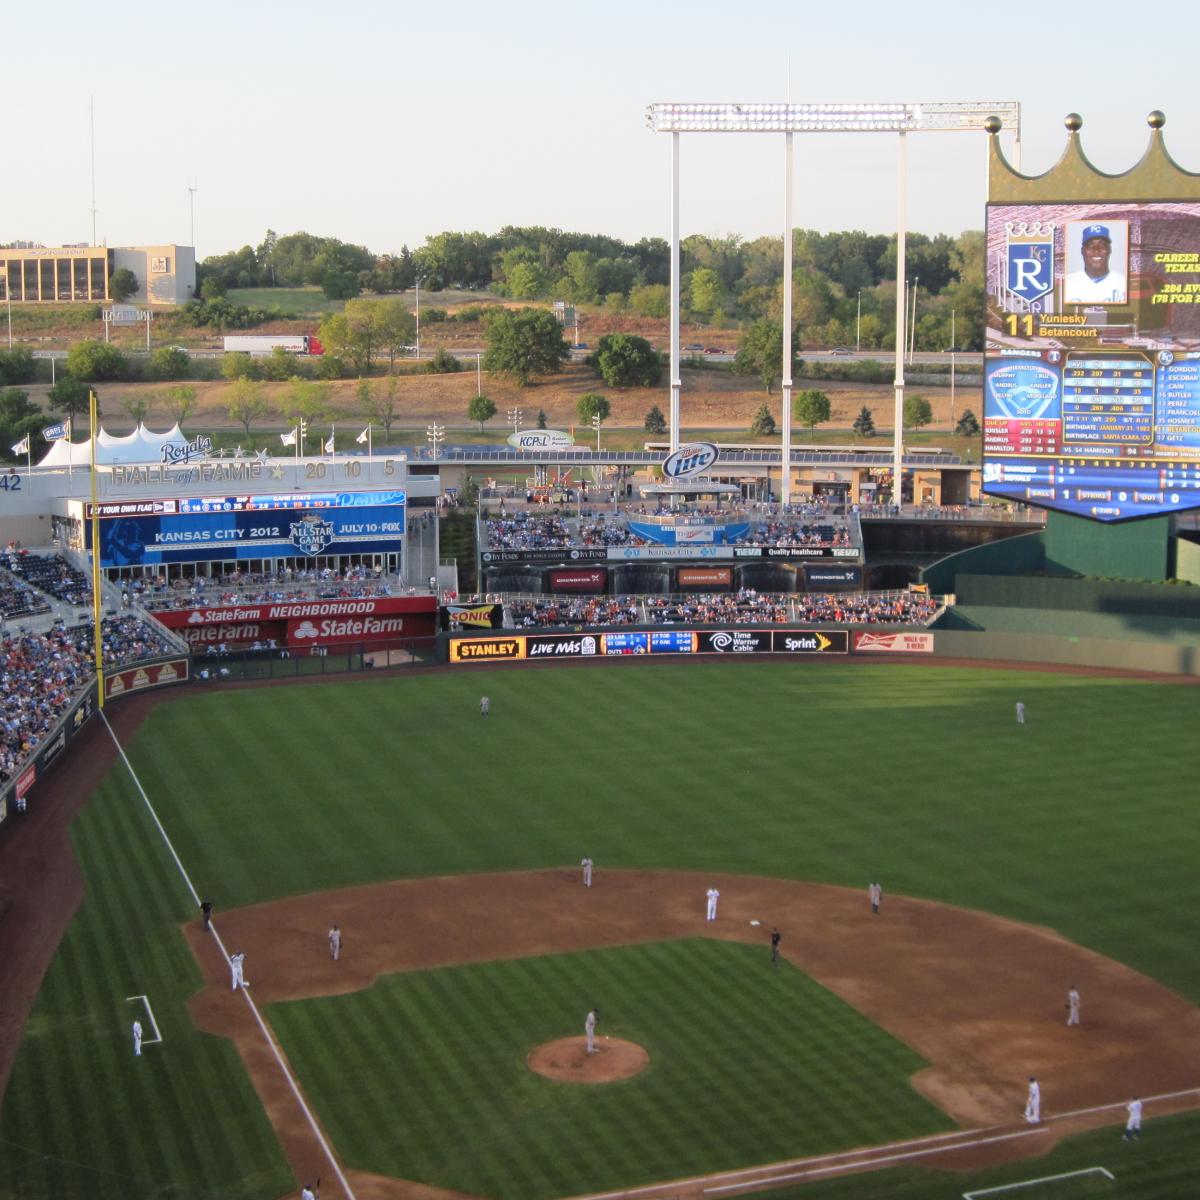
<point>1015,861</point>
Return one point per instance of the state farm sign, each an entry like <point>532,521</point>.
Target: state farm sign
<point>306,622</point>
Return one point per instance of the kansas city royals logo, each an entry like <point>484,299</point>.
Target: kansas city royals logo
<point>311,535</point>
<point>1029,260</point>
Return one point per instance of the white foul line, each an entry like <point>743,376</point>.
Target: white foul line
<point>312,1121</point>
<point>150,1017</point>
<point>1012,1187</point>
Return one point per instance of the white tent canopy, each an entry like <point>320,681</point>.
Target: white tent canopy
<point>140,446</point>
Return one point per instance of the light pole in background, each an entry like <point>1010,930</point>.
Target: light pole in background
<point>8,300</point>
<point>435,435</point>
<point>596,423</point>
<point>858,326</point>
<point>514,418</point>
<point>418,313</point>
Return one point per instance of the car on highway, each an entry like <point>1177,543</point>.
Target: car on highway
<point>841,350</point>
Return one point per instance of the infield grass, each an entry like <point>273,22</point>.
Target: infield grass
<point>748,1063</point>
<point>1083,820</point>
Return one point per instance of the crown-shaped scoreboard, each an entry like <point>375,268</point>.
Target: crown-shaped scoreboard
<point>1092,369</point>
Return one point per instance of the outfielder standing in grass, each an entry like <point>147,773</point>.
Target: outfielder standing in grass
<point>485,706</point>
<point>1020,712</point>
<point>137,1038</point>
<point>776,938</point>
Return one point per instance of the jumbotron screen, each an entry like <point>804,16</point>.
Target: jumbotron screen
<point>1092,365</point>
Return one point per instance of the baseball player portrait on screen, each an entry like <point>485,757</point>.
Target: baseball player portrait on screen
<point>1097,262</point>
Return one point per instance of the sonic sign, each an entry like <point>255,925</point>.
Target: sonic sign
<point>690,460</point>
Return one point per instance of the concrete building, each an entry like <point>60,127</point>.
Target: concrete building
<point>81,274</point>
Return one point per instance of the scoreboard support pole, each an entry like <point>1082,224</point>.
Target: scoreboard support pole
<point>901,319</point>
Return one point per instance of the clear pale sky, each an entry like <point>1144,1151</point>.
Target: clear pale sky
<point>384,123</point>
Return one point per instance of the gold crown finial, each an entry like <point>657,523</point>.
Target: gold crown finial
<point>1073,121</point>
<point>1157,119</point>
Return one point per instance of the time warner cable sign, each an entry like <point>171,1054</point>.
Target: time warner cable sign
<point>693,459</point>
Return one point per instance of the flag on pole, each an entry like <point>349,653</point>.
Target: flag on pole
<point>362,437</point>
<point>329,443</point>
<point>23,446</point>
<point>288,439</point>
<point>57,433</point>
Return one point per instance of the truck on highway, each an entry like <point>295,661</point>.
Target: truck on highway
<point>267,343</point>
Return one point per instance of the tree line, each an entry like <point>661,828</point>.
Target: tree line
<point>843,282</point>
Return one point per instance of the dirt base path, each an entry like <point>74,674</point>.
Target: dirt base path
<point>983,999</point>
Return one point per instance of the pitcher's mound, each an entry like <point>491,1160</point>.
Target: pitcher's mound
<point>568,1061</point>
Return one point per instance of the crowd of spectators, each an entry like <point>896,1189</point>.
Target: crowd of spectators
<point>248,587</point>
<point>584,610</point>
<point>523,532</point>
<point>743,607</point>
<point>746,606</point>
<point>608,533</point>
<point>49,573</point>
<point>779,533</point>
<point>41,673</point>
<point>18,599</point>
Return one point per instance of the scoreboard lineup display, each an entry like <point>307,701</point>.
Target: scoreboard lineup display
<point>1092,366</point>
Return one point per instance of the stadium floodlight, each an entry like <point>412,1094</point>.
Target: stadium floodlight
<point>896,117</point>
<point>885,117</point>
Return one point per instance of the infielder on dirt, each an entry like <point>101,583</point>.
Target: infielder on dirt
<point>589,1028</point>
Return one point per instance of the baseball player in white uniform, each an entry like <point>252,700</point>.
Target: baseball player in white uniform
<point>1033,1102</point>
<point>1072,1005</point>
<point>335,943</point>
<point>485,706</point>
<point>589,1028</point>
<point>587,865</point>
<point>307,1193</point>
<point>875,894</point>
<point>237,965</point>
<point>712,895</point>
<point>1097,283</point>
<point>1133,1127</point>
<point>1020,712</point>
<point>137,1038</point>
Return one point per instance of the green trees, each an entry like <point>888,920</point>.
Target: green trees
<point>443,363</point>
<point>812,408</point>
<point>967,425</point>
<point>590,405</point>
<point>763,424</point>
<point>180,402</point>
<point>18,417</point>
<point>69,396</point>
<point>917,412</point>
<point>760,353</point>
<point>481,409</point>
<point>541,418</point>
<point>379,404</point>
<point>864,423</point>
<point>655,421</point>
<point>523,343</point>
<point>136,408</point>
<point>95,361</point>
<point>395,328</point>
<point>624,360</point>
<point>247,403</point>
<point>366,326</point>
<point>122,284</point>
<point>168,362</point>
<point>17,366</point>
<point>705,292</point>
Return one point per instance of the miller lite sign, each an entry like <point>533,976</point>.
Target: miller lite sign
<point>692,459</point>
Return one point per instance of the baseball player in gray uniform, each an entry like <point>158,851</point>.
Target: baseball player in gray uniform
<point>712,896</point>
<point>589,1028</point>
<point>335,943</point>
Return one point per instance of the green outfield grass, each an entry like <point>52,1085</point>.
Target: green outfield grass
<point>747,1063</point>
<point>1083,820</point>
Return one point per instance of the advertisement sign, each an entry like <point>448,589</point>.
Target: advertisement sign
<point>672,641</point>
<point>1092,359</point>
<point>487,649</point>
<point>810,641</point>
<point>704,577</point>
<point>540,439</point>
<point>692,459</point>
<point>137,679</point>
<point>592,580</point>
<point>25,781</point>
<point>733,641</point>
<point>472,616</point>
<point>561,645</point>
<point>893,643</point>
<point>494,557</point>
<point>224,528</point>
<point>821,577</point>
